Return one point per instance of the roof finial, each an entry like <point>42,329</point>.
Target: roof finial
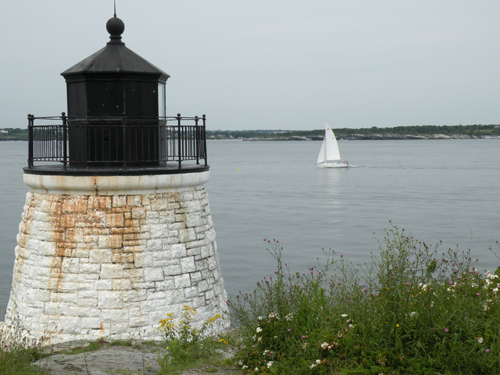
<point>115,7</point>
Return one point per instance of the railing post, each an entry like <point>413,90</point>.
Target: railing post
<point>179,138</point>
<point>65,135</point>
<point>197,139</point>
<point>205,139</point>
<point>31,120</point>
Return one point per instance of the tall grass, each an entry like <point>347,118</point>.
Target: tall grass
<point>411,310</point>
<point>18,356</point>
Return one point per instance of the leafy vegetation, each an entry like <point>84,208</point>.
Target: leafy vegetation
<point>412,310</point>
<point>11,134</point>
<point>395,132</point>
<point>18,358</point>
<point>188,345</point>
<point>478,131</point>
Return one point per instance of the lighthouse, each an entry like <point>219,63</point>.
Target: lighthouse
<point>116,230</point>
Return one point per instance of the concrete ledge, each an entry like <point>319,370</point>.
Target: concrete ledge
<point>116,185</point>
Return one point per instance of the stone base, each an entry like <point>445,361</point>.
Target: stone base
<point>92,266</point>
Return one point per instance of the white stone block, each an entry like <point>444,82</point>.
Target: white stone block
<point>111,271</point>
<point>109,300</point>
<point>91,323</point>
<point>100,256</point>
<point>186,235</point>
<point>133,296</point>
<point>153,274</point>
<point>104,284</point>
<point>154,245</point>
<point>122,284</point>
<point>187,265</point>
<point>178,250</point>
<point>114,316</point>
<point>182,281</point>
<point>166,284</point>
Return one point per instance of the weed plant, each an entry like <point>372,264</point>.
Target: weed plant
<point>17,359</point>
<point>412,310</point>
<point>187,344</point>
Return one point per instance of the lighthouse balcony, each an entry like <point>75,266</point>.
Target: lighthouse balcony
<point>116,145</point>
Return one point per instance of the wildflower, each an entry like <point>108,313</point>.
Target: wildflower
<point>269,364</point>
<point>413,313</point>
<point>446,329</point>
<point>487,350</point>
<point>258,330</point>
<point>480,340</point>
<point>397,325</point>
<point>244,367</point>
<point>343,315</point>
<point>289,317</point>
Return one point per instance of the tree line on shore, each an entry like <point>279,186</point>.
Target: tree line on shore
<point>467,131</point>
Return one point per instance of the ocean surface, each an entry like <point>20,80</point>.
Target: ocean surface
<point>436,190</point>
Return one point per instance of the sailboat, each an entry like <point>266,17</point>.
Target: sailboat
<point>329,154</point>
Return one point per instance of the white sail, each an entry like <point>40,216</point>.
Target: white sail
<point>329,152</point>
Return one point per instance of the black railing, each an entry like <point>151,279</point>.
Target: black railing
<point>117,142</point>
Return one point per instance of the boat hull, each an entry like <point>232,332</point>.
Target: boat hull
<point>333,165</point>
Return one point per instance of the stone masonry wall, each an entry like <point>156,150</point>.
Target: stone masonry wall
<point>112,266</point>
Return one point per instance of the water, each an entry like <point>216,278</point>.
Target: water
<point>438,190</point>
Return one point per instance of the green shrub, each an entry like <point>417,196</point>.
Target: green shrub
<point>16,358</point>
<point>412,310</point>
<point>186,343</point>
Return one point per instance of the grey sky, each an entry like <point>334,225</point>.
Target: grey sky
<point>270,64</point>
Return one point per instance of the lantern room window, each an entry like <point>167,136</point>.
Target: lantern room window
<point>161,100</point>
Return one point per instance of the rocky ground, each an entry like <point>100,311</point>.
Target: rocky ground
<point>110,359</point>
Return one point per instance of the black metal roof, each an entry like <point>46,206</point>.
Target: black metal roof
<point>115,57</point>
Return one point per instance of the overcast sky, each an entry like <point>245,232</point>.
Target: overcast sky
<point>271,64</point>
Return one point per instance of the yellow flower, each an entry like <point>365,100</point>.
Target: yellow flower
<point>397,325</point>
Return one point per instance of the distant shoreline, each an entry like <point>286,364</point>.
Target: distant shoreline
<point>374,137</point>
<point>355,137</point>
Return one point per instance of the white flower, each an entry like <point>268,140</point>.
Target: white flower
<point>312,366</point>
<point>265,352</point>
<point>480,340</point>
<point>318,361</point>
<point>324,345</point>
<point>289,317</point>
<point>343,315</point>
<point>256,369</point>
<point>244,367</point>
<point>413,313</point>
<point>258,330</point>
<point>269,364</point>
<point>260,318</point>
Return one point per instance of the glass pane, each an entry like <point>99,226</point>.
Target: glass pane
<point>161,100</point>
